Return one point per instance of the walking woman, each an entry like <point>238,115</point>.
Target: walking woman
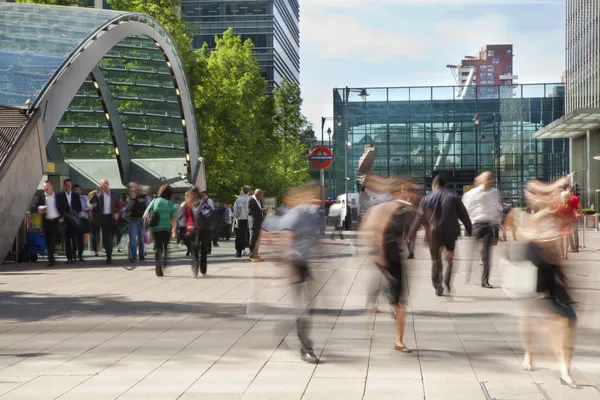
<point>543,251</point>
<point>166,228</point>
<point>200,230</point>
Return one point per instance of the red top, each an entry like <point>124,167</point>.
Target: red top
<point>189,217</point>
<point>574,200</point>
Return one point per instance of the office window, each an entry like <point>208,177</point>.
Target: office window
<point>495,60</point>
<point>509,52</point>
<point>482,68</point>
<point>490,53</point>
<point>490,68</point>
<point>490,75</point>
<point>508,67</point>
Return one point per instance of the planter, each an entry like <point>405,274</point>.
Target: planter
<point>590,221</point>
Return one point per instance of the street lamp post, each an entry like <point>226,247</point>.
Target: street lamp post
<point>476,122</point>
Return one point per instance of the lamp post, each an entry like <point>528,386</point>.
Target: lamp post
<point>363,95</point>
<point>476,122</point>
<point>329,169</point>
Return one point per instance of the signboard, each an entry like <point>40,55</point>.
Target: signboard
<point>321,157</point>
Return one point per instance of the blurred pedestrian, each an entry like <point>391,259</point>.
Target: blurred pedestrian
<point>182,227</point>
<point>201,231</point>
<point>227,220</point>
<point>541,232</point>
<point>84,217</point>
<point>485,211</point>
<point>107,211</point>
<point>576,205</point>
<point>338,212</point>
<point>383,231</point>
<point>440,212</point>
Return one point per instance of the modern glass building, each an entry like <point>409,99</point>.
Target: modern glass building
<point>272,25</point>
<point>423,131</point>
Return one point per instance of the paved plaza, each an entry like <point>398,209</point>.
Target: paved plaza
<point>105,332</point>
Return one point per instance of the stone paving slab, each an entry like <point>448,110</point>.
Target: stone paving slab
<point>95,332</point>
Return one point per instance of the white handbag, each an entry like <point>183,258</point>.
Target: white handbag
<point>519,280</point>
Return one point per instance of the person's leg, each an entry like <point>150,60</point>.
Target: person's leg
<point>68,235</point>
<point>566,335</point>
<point>488,239</point>
<point>436,268</point>
<point>253,238</point>
<point>204,243</point>
<point>49,238</point>
<point>194,242</point>
<point>526,328</point>
<point>157,254</point>
<point>575,237</point>
<point>227,232</point>
<point>81,238</point>
<point>450,259</point>
<point>400,324</point>
<point>107,236</point>
<point>141,237</point>
<point>133,238</point>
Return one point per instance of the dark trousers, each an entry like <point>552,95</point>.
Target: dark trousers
<point>484,232</point>
<point>338,228</point>
<point>70,235</point>
<point>200,245</point>
<point>254,233</point>
<point>51,228</point>
<point>437,269</point>
<point>227,231</point>
<point>95,233</point>
<point>81,236</point>
<point>241,236</point>
<point>161,241</point>
<point>184,238</point>
<point>108,231</point>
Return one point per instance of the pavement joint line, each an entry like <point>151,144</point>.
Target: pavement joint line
<point>542,391</point>
<point>150,339</point>
<point>485,391</point>
<point>105,322</point>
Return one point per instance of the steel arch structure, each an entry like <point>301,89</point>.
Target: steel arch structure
<point>82,62</point>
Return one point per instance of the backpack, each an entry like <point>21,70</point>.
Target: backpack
<point>151,217</point>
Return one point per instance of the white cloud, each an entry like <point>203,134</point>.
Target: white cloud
<point>337,36</point>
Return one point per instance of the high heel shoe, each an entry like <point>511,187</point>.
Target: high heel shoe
<point>571,385</point>
<point>402,349</point>
<point>527,367</point>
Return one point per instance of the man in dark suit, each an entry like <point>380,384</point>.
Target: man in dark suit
<point>69,207</point>
<point>50,220</point>
<point>106,203</point>
<point>440,212</point>
<point>255,218</point>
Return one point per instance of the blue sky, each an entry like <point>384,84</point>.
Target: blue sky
<point>360,43</point>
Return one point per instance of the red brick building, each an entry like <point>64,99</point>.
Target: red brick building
<point>492,65</point>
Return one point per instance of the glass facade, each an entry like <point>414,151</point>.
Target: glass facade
<point>423,131</point>
<point>272,25</point>
<point>582,54</point>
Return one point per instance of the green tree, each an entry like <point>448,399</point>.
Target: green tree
<point>291,165</point>
<point>236,117</point>
<point>80,3</point>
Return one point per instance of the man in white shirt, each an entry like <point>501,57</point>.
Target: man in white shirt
<point>240,214</point>
<point>50,219</point>
<point>485,210</point>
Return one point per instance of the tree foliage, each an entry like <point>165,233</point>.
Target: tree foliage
<point>291,165</point>
<point>236,117</point>
<point>80,3</point>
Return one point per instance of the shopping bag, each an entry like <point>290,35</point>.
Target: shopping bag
<point>519,280</point>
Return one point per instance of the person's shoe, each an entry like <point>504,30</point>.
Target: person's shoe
<point>187,253</point>
<point>569,382</point>
<point>132,259</point>
<point>448,287</point>
<point>96,255</point>
<point>119,250</point>
<point>141,258</point>
<point>308,356</point>
<point>216,244</point>
<point>410,256</point>
<point>108,260</point>
<point>51,264</point>
<point>245,254</point>
<point>439,291</point>
<point>487,286</point>
<point>81,259</point>
<point>402,348</point>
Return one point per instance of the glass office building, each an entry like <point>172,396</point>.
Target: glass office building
<point>423,131</point>
<point>272,25</point>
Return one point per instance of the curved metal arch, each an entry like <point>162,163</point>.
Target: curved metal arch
<point>62,88</point>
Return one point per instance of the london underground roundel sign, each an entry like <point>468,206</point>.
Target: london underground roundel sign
<point>321,157</point>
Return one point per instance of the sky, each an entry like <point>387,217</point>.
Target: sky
<point>370,43</point>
